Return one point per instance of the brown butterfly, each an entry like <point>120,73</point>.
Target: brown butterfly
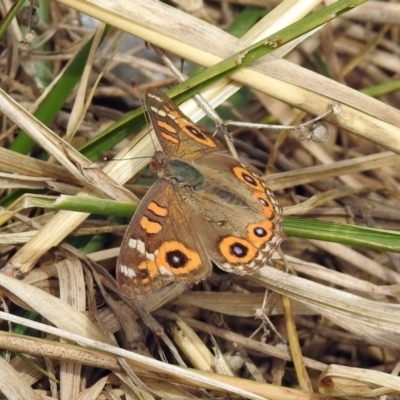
<point>206,206</point>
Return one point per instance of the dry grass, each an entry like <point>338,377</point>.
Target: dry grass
<point>329,328</point>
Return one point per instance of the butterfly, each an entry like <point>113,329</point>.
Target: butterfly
<point>206,206</point>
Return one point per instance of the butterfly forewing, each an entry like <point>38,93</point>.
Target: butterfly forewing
<point>153,254</point>
<point>177,134</point>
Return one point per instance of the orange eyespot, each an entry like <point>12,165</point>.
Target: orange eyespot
<point>265,202</point>
<point>248,178</point>
<point>177,256</point>
<point>237,250</point>
<point>260,233</point>
<point>194,132</point>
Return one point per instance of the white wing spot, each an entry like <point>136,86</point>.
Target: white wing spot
<point>128,272</point>
<point>154,96</point>
<point>158,111</point>
<point>150,256</point>
<point>137,245</point>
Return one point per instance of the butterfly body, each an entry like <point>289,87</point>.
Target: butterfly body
<point>206,205</point>
<point>179,172</point>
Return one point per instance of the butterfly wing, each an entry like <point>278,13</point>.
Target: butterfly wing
<point>237,216</point>
<point>234,213</point>
<point>161,245</point>
<point>178,135</point>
